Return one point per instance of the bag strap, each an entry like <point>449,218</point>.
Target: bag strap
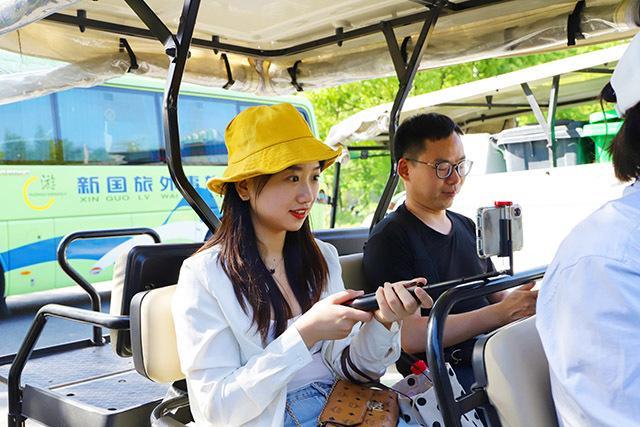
<point>347,363</point>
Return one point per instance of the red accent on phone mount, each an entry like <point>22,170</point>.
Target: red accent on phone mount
<point>502,203</point>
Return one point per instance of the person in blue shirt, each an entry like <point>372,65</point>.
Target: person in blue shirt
<point>589,303</point>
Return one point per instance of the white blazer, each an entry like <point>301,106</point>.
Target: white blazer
<point>231,378</point>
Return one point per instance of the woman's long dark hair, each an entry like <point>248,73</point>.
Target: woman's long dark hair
<point>305,266</point>
<point>624,148</point>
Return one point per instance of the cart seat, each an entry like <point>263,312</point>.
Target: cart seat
<point>512,367</point>
<point>352,272</point>
<point>144,267</point>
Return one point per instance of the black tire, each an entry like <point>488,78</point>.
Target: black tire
<point>4,310</point>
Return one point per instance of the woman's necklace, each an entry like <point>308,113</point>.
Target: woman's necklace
<point>275,265</point>
<point>288,294</point>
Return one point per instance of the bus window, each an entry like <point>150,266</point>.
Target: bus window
<point>202,125</point>
<point>27,132</point>
<point>97,126</point>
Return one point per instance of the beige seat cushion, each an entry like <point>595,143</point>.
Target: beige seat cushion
<point>153,336</point>
<point>518,376</point>
<point>115,306</point>
<point>352,273</point>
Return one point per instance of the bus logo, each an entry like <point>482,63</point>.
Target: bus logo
<point>30,204</point>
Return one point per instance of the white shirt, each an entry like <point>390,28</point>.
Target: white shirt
<point>588,318</point>
<point>231,378</point>
<point>315,371</point>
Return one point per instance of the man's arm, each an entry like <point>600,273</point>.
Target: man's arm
<point>458,328</point>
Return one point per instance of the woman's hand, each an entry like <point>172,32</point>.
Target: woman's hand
<point>395,302</point>
<point>329,320</point>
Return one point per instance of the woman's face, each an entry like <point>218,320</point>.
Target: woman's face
<point>285,201</point>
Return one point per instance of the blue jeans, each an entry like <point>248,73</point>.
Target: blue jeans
<point>305,404</point>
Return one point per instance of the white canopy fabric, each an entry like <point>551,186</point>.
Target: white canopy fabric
<point>492,30</point>
<point>485,105</point>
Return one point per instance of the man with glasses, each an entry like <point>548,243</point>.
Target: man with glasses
<point>422,238</point>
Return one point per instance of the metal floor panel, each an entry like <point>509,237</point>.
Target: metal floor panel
<point>115,393</point>
<point>71,366</point>
<point>122,400</point>
<point>89,386</point>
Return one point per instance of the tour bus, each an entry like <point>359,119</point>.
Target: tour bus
<point>269,47</point>
<point>87,158</point>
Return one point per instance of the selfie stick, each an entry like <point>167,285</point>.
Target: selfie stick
<point>368,302</point>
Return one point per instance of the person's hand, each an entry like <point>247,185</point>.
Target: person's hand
<point>518,303</point>
<point>329,320</point>
<point>395,302</point>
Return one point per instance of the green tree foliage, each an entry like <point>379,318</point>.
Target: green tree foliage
<point>362,180</point>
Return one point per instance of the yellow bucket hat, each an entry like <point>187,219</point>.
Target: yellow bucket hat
<point>266,140</point>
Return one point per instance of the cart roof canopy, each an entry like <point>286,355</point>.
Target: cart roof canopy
<point>331,42</point>
<point>487,105</point>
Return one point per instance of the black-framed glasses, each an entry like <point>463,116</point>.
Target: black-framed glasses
<point>444,169</point>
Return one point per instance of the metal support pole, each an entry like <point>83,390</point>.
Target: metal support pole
<point>406,74</point>
<point>336,195</point>
<point>177,48</point>
<point>177,64</point>
<point>551,118</point>
<point>535,107</point>
<point>549,132</point>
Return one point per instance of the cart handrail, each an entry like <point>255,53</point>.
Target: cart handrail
<point>450,407</point>
<point>15,418</point>
<point>61,254</point>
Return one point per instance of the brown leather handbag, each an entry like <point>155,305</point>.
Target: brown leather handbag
<point>353,404</point>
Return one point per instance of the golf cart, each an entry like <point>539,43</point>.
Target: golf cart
<point>264,47</point>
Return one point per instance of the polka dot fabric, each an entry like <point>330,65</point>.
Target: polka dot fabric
<point>419,406</point>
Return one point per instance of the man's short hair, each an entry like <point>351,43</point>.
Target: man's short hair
<point>413,132</point>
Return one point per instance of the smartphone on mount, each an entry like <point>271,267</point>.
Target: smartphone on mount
<point>489,240</point>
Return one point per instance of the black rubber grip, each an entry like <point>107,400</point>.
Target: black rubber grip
<point>368,302</point>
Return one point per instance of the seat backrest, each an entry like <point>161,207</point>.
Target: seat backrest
<point>153,336</point>
<point>516,375</point>
<point>352,272</point>
<point>145,267</point>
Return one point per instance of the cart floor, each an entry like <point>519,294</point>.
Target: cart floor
<point>86,386</point>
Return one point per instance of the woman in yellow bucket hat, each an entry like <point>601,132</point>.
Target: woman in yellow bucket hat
<point>258,309</point>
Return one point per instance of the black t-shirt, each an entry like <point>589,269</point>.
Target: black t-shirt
<point>401,247</point>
